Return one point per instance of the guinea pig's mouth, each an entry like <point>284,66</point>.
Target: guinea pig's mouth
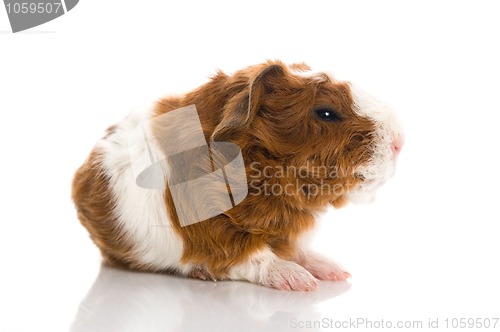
<point>364,191</point>
<point>359,176</point>
<point>369,182</point>
<point>339,202</point>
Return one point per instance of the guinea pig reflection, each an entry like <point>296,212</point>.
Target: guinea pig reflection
<point>125,301</point>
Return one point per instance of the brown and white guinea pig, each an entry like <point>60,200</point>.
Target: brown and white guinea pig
<point>281,117</point>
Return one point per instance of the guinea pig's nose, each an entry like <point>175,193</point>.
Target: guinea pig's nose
<point>397,145</point>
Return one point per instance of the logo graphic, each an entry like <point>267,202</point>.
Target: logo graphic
<point>204,179</point>
<point>28,14</point>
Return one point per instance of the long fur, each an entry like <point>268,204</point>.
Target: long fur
<point>267,110</point>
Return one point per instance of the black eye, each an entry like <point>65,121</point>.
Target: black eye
<point>327,114</point>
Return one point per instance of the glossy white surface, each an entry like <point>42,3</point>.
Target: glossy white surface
<point>125,301</point>
<point>427,248</point>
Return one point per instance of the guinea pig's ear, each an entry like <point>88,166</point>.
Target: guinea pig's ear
<point>240,110</point>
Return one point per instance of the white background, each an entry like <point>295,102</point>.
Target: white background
<point>427,248</point>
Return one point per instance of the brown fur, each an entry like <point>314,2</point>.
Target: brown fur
<point>267,111</point>
<point>95,203</point>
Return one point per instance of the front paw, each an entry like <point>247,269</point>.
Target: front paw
<point>201,273</point>
<point>286,275</point>
<point>323,268</point>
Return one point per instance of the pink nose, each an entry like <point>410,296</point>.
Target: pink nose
<point>397,145</point>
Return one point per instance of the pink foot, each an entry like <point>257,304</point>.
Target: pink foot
<point>286,275</point>
<point>323,268</point>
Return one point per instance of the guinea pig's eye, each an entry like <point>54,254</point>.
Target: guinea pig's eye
<point>327,114</point>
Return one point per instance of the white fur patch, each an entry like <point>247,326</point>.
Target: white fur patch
<point>382,165</point>
<point>311,74</point>
<point>141,212</point>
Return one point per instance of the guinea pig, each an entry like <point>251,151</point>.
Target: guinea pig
<point>307,140</point>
